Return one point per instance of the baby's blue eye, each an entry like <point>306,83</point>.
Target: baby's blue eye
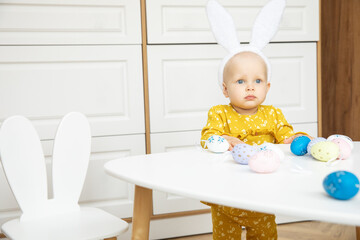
<point>258,81</point>
<point>240,81</point>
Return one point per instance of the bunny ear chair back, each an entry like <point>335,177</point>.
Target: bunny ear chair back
<point>264,29</point>
<point>24,166</point>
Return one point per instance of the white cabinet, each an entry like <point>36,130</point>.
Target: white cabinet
<point>185,21</point>
<point>183,84</point>
<point>40,22</point>
<point>73,55</point>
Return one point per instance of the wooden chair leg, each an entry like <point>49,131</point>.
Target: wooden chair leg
<point>357,233</point>
<point>142,213</point>
<point>112,238</point>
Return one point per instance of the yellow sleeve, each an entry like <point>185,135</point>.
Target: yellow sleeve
<point>283,129</point>
<point>214,125</point>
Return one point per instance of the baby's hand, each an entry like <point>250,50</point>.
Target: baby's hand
<point>232,141</point>
<point>290,139</point>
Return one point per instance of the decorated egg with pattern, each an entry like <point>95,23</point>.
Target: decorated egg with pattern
<point>341,185</point>
<point>273,147</point>
<point>299,145</point>
<point>243,152</point>
<point>217,144</point>
<point>344,148</point>
<point>345,138</point>
<point>313,142</point>
<point>325,151</point>
<point>264,162</point>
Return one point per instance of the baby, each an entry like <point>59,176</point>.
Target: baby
<point>244,77</point>
<point>245,120</point>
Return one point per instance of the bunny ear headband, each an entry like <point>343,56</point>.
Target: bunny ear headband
<point>265,27</point>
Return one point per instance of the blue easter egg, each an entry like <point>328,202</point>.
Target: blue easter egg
<point>299,145</point>
<point>341,185</point>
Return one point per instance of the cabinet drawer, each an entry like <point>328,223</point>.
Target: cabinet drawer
<point>185,21</point>
<point>167,142</point>
<point>39,22</point>
<point>100,190</point>
<point>44,83</point>
<point>183,84</point>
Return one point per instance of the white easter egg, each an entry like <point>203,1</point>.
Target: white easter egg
<point>217,144</point>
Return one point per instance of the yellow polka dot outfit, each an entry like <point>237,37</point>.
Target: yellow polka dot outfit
<point>228,222</point>
<point>268,124</point>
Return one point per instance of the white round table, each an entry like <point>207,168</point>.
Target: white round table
<point>295,189</point>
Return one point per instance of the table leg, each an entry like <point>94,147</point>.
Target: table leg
<point>142,212</point>
<point>358,233</point>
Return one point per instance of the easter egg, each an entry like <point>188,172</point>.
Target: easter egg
<point>341,185</point>
<point>313,142</point>
<point>217,144</point>
<point>344,148</point>
<point>325,151</point>
<point>273,147</point>
<point>264,161</point>
<point>345,138</point>
<point>243,152</point>
<point>299,145</point>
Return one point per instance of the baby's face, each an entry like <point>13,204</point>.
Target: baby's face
<point>245,82</point>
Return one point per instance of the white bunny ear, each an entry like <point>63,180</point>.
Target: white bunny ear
<point>266,23</point>
<point>222,26</point>
<point>24,164</point>
<point>71,157</point>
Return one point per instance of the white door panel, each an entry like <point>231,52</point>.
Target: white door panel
<point>183,84</point>
<point>294,81</point>
<point>103,82</point>
<point>185,21</point>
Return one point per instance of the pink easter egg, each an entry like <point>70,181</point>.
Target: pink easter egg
<point>344,146</point>
<point>346,138</point>
<point>264,161</point>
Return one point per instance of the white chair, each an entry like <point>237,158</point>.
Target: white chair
<point>60,217</point>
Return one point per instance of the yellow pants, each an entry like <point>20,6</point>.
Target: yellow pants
<point>228,222</point>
